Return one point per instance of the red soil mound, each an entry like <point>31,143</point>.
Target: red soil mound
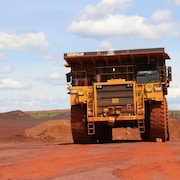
<point>60,131</point>
<point>54,130</point>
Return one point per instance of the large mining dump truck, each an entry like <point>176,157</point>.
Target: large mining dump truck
<point>118,88</point>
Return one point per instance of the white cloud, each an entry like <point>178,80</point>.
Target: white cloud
<point>161,15</point>
<point>105,45</point>
<point>121,25</point>
<point>31,41</point>
<point>44,102</point>
<point>177,2</point>
<point>55,75</point>
<point>113,23</point>
<point>174,92</point>
<point>30,103</point>
<point>6,69</point>
<point>47,57</point>
<point>3,57</point>
<point>104,7</point>
<point>56,78</point>
<point>9,83</point>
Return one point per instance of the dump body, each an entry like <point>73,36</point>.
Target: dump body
<point>116,88</point>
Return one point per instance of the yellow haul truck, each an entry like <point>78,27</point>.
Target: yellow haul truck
<point>121,88</point>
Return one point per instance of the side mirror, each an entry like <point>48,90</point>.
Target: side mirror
<point>169,69</point>
<point>68,78</point>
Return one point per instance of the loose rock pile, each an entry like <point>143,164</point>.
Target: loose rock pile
<point>54,130</point>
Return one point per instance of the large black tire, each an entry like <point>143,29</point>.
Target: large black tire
<point>146,135</point>
<point>167,121</point>
<point>79,125</point>
<point>103,133</point>
<point>158,120</point>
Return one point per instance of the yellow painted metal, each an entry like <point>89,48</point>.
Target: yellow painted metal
<point>95,100</point>
<point>149,87</point>
<point>115,100</point>
<point>119,118</point>
<point>153,92</point>
<point>139,99</point>
<point>90,102</point>
<point>109,82</point>
<point>78,94</point>
<point>141,92</point>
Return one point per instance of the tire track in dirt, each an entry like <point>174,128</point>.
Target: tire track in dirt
<point>152,161</point>
<point>43,166</point>
<point>138,160</point>
<point>61,159</point>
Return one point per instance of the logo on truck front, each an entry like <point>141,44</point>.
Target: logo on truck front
<point>115,100</point>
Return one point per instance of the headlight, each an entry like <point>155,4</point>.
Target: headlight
<point>149,87</point>
<point>80,92</point>
<point>157,88</point>
<point>73,91</point>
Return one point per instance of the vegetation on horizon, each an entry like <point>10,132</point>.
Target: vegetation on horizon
<point>44,114</point>
<point>174,113</point>
<point>51,113</point>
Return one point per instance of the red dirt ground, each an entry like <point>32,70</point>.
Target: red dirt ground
<point>43,149</point>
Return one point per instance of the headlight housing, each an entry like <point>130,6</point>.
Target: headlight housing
<point>149,87</point>
<point>158,88</point>
<point>80,92</point>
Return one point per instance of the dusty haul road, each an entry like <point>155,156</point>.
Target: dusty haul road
<point>119,160</point>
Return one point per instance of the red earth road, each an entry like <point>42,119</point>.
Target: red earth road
<point>119,160</point>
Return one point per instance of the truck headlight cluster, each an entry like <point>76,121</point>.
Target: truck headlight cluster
<point>80,92</point>
<point>149,87</point>
<point>158,88</point>
<point>73,91</point>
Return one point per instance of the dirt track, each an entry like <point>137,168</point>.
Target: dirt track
<point>122,160</point>
<point>48,153</point>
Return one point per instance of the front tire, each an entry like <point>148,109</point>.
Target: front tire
<point>79,125</point>
<point>167,121</point>
<point>158,120</point>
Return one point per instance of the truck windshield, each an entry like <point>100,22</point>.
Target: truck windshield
<point>147,74</point>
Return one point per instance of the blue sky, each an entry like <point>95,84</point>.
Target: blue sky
<point>35,34</point>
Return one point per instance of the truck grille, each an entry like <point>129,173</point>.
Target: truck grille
<point>115,99</point>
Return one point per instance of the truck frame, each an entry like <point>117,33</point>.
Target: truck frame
<point>118,88</point>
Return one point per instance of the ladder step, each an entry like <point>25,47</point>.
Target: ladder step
<point>90,105</point>
<point>141,126</point>
<point>91,128</point>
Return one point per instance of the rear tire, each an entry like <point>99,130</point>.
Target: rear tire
<point>167,121</point>
<point>158,120</point>
<point>79,125</point>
